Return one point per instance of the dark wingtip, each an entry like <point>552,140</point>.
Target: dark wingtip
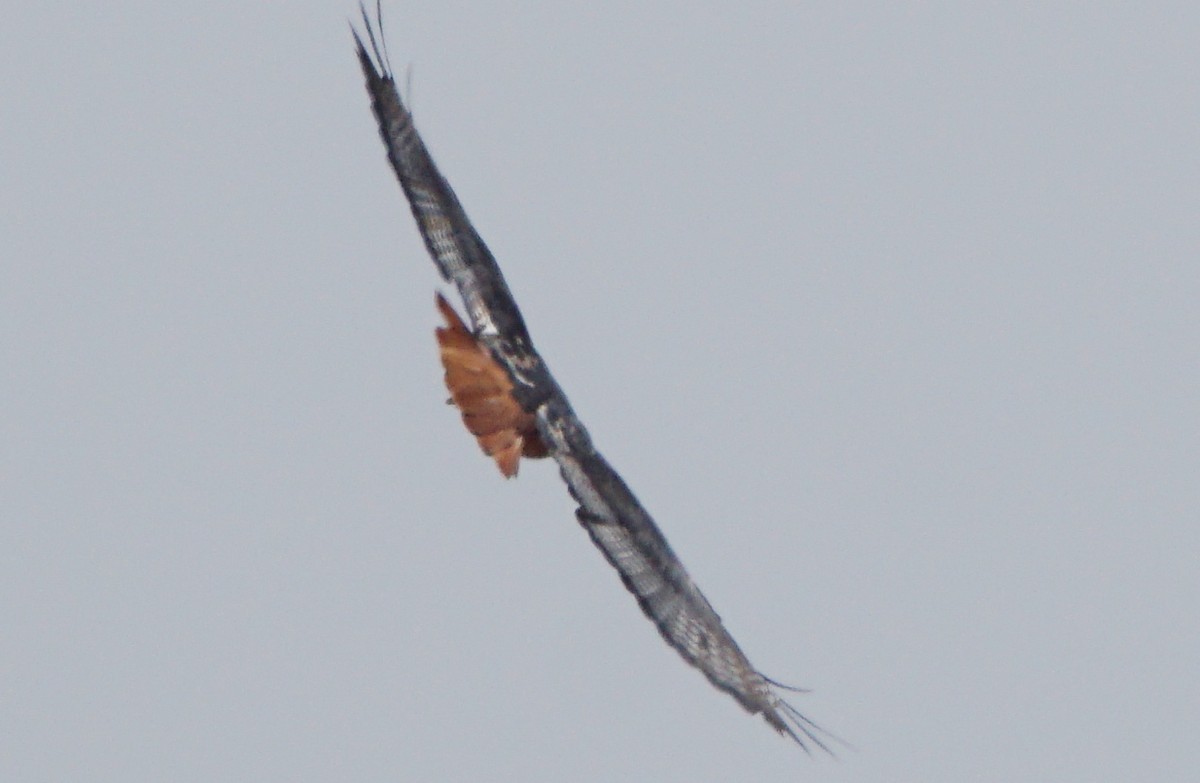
<point>361,51</point>
<point>789,721</point>
<point>375,62</point>
<point>786,687</point>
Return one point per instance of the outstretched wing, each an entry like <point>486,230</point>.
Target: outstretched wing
<point>608,510</point>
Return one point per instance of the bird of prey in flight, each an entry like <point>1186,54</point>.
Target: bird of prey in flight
<point>511,403</point>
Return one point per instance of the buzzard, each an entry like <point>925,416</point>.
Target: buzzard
<point>511,403</point>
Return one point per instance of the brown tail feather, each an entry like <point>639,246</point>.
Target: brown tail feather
<point>483,393</point>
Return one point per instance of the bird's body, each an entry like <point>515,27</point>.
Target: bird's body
<point>483,393</point>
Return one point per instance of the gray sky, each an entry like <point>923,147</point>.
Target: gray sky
<point>888,315</point>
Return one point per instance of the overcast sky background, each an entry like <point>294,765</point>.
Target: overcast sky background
<point>888,314</point>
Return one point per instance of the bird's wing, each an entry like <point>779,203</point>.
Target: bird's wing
<point>617,523</point>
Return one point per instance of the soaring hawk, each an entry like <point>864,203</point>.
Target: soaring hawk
<point>511,403</point>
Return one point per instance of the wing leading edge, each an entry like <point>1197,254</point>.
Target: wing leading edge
<point>617,523</point>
